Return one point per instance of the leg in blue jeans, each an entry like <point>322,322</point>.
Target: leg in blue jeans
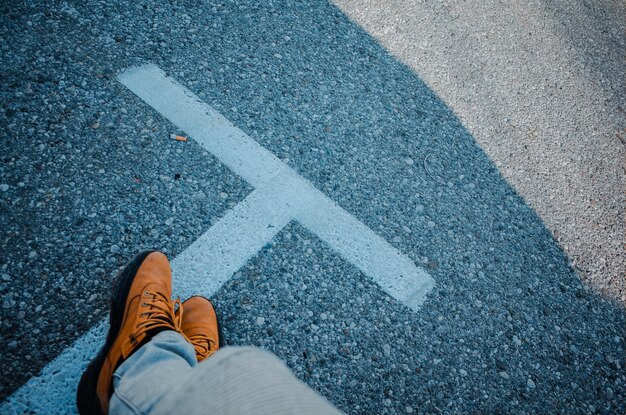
<point>164,377</point>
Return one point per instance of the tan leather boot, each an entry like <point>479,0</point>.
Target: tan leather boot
<point>141,307</point>
<point>201,326</point>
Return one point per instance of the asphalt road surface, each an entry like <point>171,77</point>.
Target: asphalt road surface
<point>90,176</point>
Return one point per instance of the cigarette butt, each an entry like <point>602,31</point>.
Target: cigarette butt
<point>178,137</point>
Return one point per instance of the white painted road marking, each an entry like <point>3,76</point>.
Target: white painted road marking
<point>214,257</point>
<point>280,196</point>
<point>284,189</point>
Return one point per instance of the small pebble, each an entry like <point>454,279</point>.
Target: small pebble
<point>386,350</point>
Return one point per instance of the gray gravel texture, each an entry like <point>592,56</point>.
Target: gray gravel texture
<point>90,179</point>
<point>509,326</point>
<point>541,86</point>
<point>499,347</point>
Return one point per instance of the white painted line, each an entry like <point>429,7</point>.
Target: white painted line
<point>280,195</point>
<point>354,241</point>
<point>222,250</point>
<point>357,243</point>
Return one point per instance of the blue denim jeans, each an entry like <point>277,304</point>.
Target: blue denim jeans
<point>163,377</point>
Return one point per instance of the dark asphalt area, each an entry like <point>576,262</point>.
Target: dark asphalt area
<point>90,176</point>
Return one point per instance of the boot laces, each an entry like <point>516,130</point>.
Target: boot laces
<point>203,344</point>
<point>161,313</point>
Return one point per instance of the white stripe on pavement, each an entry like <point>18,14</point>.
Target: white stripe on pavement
<point>222,250</point>
<point>280,195</point>
<point>354,241</point>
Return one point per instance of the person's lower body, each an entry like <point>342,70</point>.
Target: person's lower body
<point>150,360</point>
<point>164,377</point>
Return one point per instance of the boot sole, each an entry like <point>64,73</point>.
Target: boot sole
<point>86,397</point>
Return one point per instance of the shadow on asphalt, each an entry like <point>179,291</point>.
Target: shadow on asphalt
<point>315,89</point>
